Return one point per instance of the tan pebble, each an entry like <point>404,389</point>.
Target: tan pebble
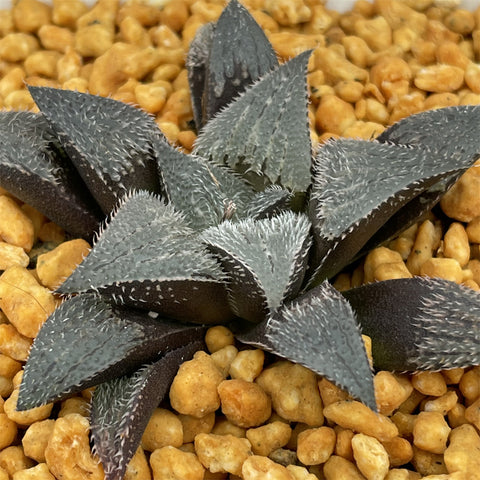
<point>172,463</point>
<point>15,226</point>
<point>8,366</point>
<point>463,451</point>
<point>13,343</point>
<point>442,404</point>
<point>25,417</point>
<point>8,431</point>
<point>439,78</point>
<point>244,403</point>
<point>222,453</point>
<point>470,384</point>
<point>218,337</point>
<point>192,425</point>
<point>428,463</point>
<point>35,439</point>
<point>163,428</point>
<point>430,432</point>
<point>315,445</point>
<point>194,388</point>
<point>51,232</point>
<point>359,418</point>
<point>294,392</point>
<point>300,473</point>
<point>269,437</point>
<point>370,456</point>
<point>26,303</point>
<point>339,468</point>
<point>473,230</point>
<point>259,468</point>
<point>38,472</point>
<point>247,365</point>
<point>330,393</point>
<point>55,266</point>
<point>429,383</point>
<point>446,268</point>
<point>13,459</point>
<point>11,255</point>
<point>474,267</point>
<point>138,467</point>
<point>334,115</point>
<point>399,451</point>
<point>455,244</point>
<point>472,413</point>
<point>226,427</point>
<point>68,454</point>
<point>390,391</point>
<point>74,405</point>
<point>223,358</point>
<point>462,201</point>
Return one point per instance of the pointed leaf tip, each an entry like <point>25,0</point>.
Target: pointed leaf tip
<point>240,54</point>
<point>319,330</point>
<point>265,261</point>
<point>148,258</point>
<point>122,407</point>
<point>419,323</point>
<point>108,141</point>
<point>359,186</point>
<point>264,133</point>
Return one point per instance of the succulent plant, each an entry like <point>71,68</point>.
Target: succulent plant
<point>247,231</point>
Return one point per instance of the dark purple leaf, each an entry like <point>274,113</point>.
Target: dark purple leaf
<point>34,169</point>
<point>108,141</point>
<point>86,341</point>
<point>419,323</point>
<point>359,185</point>
<point>121,408</point>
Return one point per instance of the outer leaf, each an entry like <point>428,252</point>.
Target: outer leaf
<point>265,131</point>
<point>240,54</point>
<point>34,169</point>
<point>121,408</point>
<point>148,258</point>
<point>86,341</point>
<point>265,261</point>
<point>319,331</point>
<point>196,64</point>
<point>199,191</point>
<point>419,323</point>
<point>437,129</point>
<point>359,185</point>
<point>108,141</point>
<point>270,202</point>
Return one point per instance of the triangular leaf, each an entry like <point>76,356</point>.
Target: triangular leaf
<point>148,258</point>
<point>265,261</point>
<point>121,408</point>
<point>86,341</point>
<point>34,169</point>
<point>108,141</point>
<point>201,192</point>
<point>319,331</point>
<point>419,323</point>
<point>265,131</point>
<point>359,185</point>
<point>240,54</point>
